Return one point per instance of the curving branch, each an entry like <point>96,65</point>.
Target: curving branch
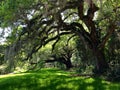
<point>111,29</point>
<point>43,42</point>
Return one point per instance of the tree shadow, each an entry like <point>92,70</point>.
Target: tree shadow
<point>51,79</point>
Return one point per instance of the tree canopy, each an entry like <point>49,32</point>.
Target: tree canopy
<point>36,23</point>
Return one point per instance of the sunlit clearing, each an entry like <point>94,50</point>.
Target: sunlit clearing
<point>18,70</point>
<point>12,75</point>
<point>61,74</point>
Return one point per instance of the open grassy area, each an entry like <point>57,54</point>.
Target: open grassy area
<point>53,79</point>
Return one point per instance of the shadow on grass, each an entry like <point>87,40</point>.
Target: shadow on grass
<point>53,79</point>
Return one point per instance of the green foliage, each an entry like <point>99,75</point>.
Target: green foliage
<point>12,10</point>
<point>38,23</point>
<point>84,57</point>
<point>64,45</point>
<point>113,56</point>
<point>53,79</point>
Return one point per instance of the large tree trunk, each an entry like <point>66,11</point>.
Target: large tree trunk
<point>68,64</point>
<point>101,63</point>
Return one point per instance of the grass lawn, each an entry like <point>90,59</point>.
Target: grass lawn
<point>53,79</point>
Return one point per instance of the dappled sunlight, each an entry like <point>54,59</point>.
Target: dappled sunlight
<point>89,80</point>
<point>89,88</point>
<point>13,75</point>
<point>59,73</point>
<point>52,79</point>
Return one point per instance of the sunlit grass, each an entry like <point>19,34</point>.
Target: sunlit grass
<point>12,75</point>
<point>53,79</point>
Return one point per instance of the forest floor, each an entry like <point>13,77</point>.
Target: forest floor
<point>53,79</point>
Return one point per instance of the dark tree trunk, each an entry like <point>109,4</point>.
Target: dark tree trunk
<point>101,63</point>
<point>66,61</point>
<point>68,64</point>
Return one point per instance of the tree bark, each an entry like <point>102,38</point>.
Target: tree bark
<point>101,63</point>
<point>63,60</point>
<point>68,64</point>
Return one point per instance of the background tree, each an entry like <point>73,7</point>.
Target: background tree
<point>2,48</point>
